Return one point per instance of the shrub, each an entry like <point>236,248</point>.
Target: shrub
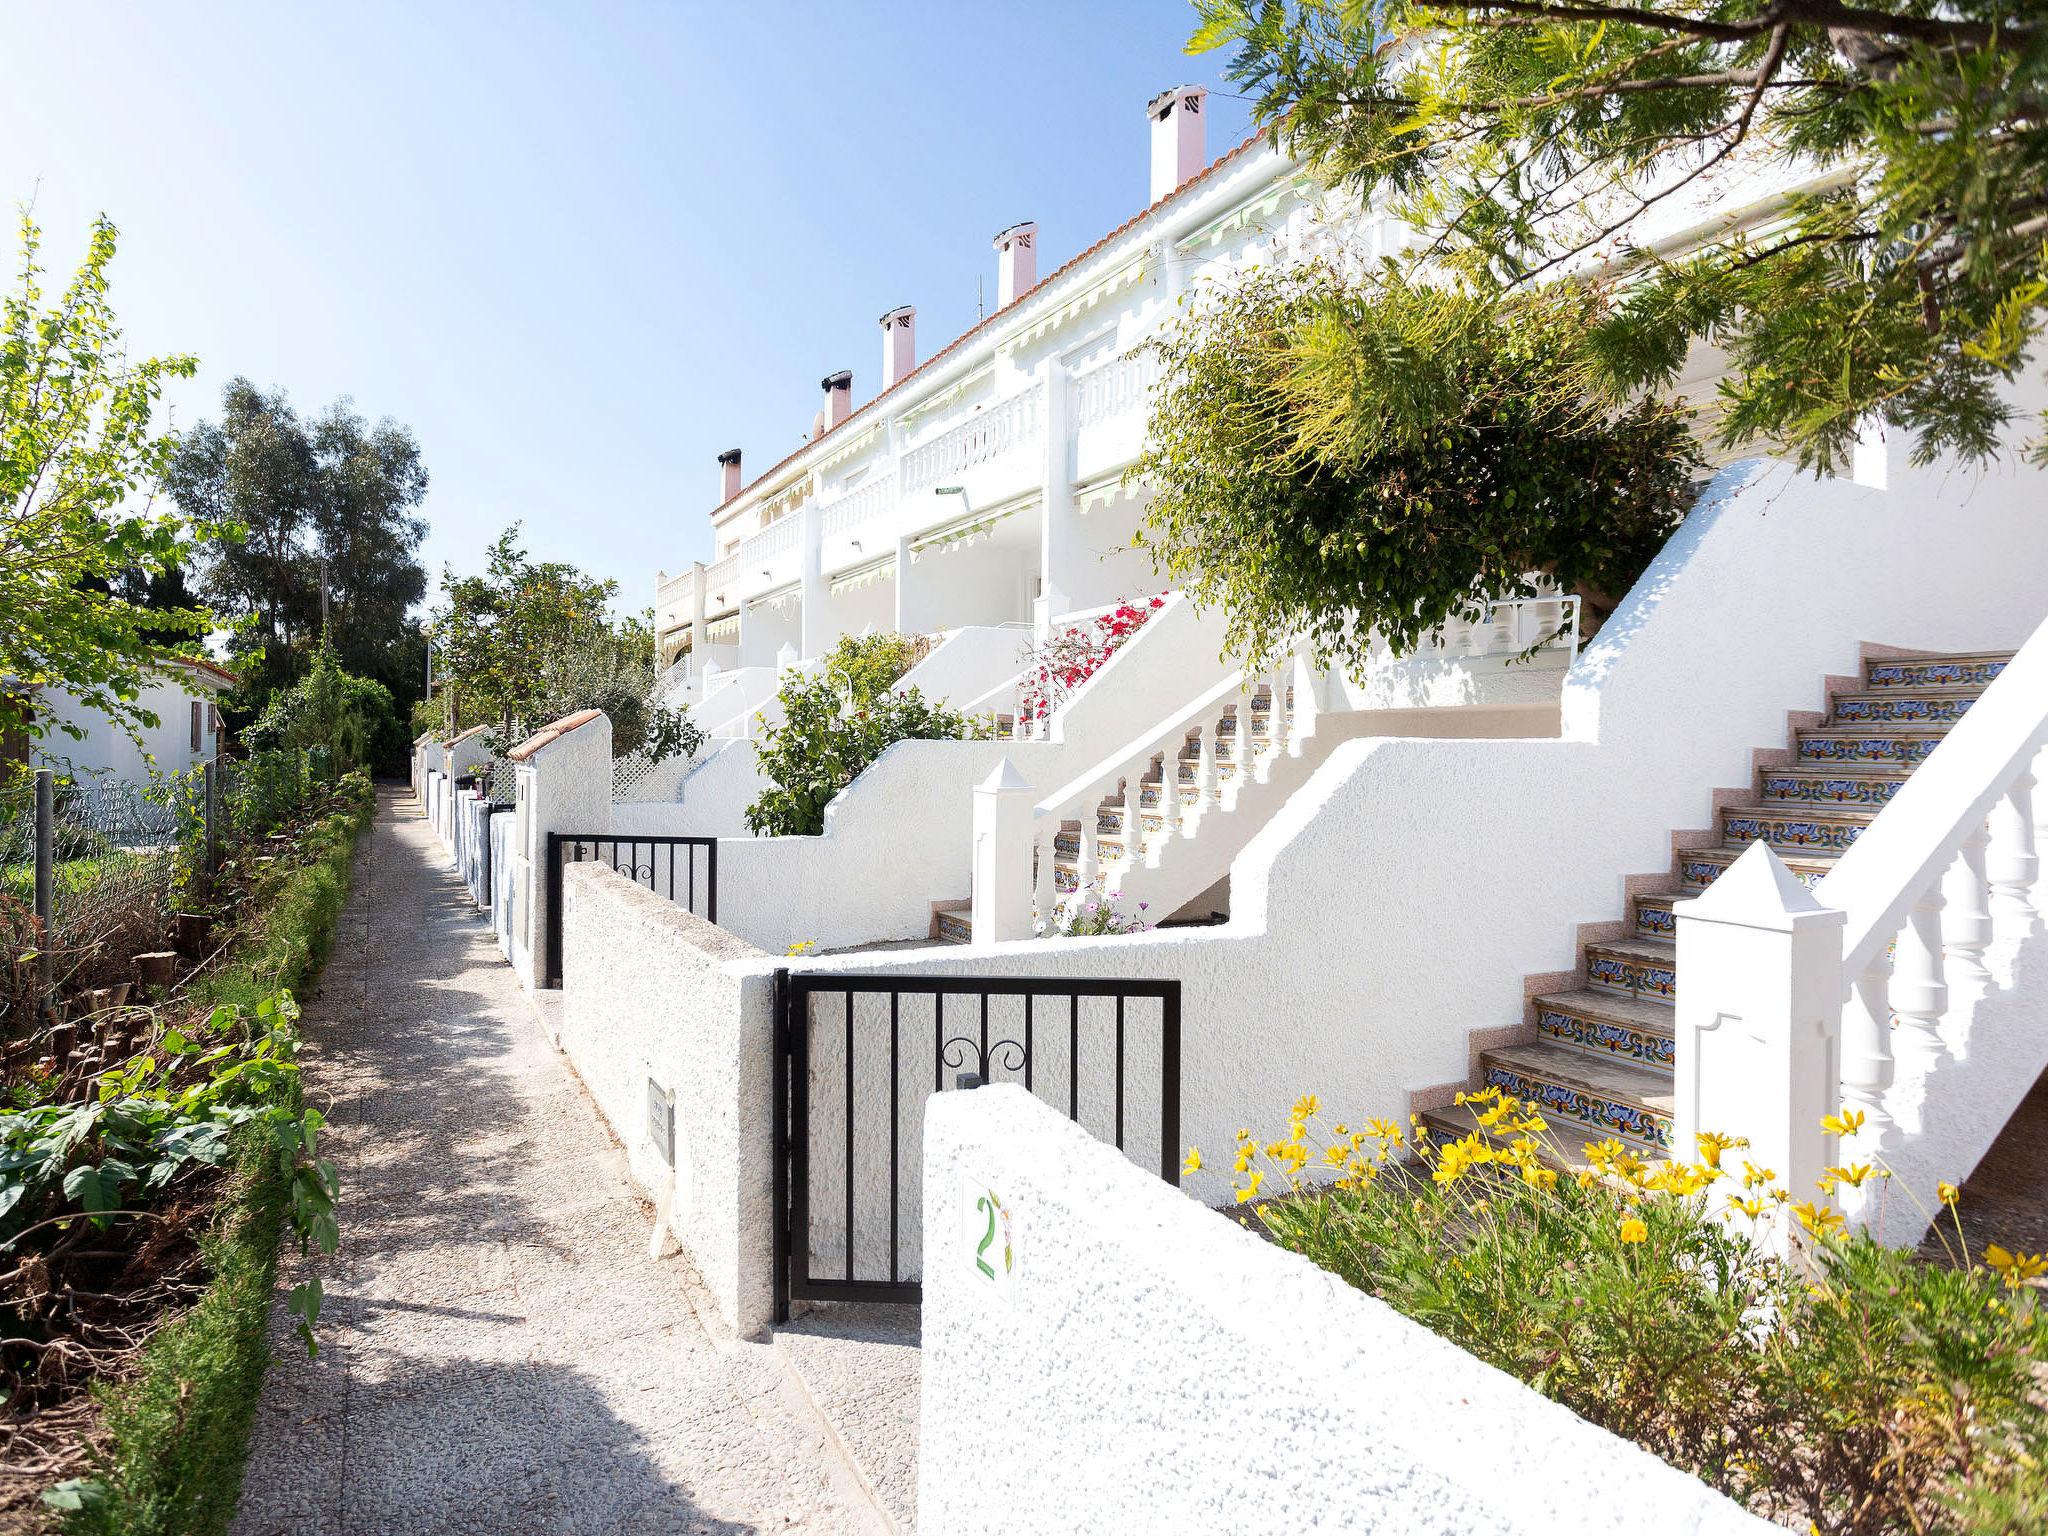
<point>1331,459</point>
<point>1857,1388</point>
<point>1093,914</point>
<point>865,667</point>
<point>824,743</point>
<point>352,718</point>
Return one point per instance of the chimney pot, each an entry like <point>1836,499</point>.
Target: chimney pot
<point>728,475</point>
<point>899,344</point>
<point>838,389</point>
<point>1016,262</point>
<point>1178,143</point>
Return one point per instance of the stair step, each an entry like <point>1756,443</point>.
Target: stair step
<point>1973,670</point>
<point>1914,706</point>
<point>1821,829</point>
<point>1903,744</point>
<point>1701,867</point>
<point>1633,968</point>
<point>953,922</point>
<point>1862,784</point>
<point>1568,1143</point>
<point>1608,1027</point>
<point>1654,919</point>
<point>1571,1087</point>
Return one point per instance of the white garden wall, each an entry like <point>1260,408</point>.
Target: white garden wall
<point>1142,1364</point>
<point>649,998</point>
<point>968,663</point>
<point>710,801</point>
<point>1398,901</point>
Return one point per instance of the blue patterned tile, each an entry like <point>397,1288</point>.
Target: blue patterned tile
<point>1591,1110</point>
<point>1602,1038</point>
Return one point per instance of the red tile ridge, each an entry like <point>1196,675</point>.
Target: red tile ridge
<point>465,735</point>
<point>552,733</point>
<point>967,335</point>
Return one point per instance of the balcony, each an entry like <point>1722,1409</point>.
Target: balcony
<point>994,433</point>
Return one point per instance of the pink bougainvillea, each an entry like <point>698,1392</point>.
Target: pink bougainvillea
<point>1070,656</point>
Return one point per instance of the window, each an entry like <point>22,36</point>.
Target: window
<point>195,725</point>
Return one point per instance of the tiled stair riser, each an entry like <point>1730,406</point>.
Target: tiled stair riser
<point>1606,1039</point>
<point>955,928</point>
<point>1902,751</point>
<point>1697,871</point>
<point>1791,830</point>
<point>1656,920</point>
<point>1631,977</point>
<point>1868,708</point>
<point>1975,673</point>
<point>1831,789</point>
<point>1631,1122</point>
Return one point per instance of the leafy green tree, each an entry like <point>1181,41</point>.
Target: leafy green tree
<point>528,642</point>
<point>79,456</point>
<point>300,503</point>
<point>351,718</point>
<point>825,741</point>
<point>1528,139</point>
<point>867,666</point>
<point>1338,461</point>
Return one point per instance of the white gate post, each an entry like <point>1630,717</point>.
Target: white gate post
<point>564,784</point>
<point>1003,804</point>
<point>1759,1020</point>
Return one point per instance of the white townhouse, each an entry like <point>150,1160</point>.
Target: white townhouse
<point>183,693</point>
<point>981,485</point>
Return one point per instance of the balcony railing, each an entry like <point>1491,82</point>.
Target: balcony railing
<point>988,435</point>
<point>718,576</point>
<point>777,538</point>
<point>858,505</point>
<point>1113,388</point>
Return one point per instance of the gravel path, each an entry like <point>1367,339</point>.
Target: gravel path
<point>498,1353</point>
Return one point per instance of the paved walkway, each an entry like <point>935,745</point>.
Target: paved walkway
<point>499,1354</point>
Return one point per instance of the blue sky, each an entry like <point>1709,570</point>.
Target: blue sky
<point>578,247</point>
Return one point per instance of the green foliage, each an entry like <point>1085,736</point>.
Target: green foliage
<point>1854,1392</point>
<point>864,667</point>
<point>77,448</point>
<point>178,1431</point>
<point>1524,140</point>
<point>350,717</point>
<point>294,499</point>
<point>1330,460</point>
<point>527,643</point>
<point>824,742</point>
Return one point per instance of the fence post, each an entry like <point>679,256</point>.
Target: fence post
<point>1003,837</point>
<point>46,880</point>
<point>210,792</point>
<point>1759,1022</point>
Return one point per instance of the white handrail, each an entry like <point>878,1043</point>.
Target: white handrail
<point>1889,869</point>
<point>987,435</point>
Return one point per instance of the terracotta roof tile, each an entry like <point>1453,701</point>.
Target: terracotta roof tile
<point>974,330</point>
<point>473,730</point>
<point>551,733</point>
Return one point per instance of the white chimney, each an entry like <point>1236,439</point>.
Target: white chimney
<point>728,475</point>
<point>899,344</point>
<point>1016,262</point>
<point>1178,149</point>
<point>838,389</point>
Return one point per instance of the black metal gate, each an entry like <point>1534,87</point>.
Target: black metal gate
<point>857,1055</point>
<point>659,863</point>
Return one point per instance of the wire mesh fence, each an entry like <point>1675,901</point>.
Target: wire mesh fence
<point>111,871</point>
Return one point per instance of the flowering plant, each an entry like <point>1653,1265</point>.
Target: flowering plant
<point>1068,658</point>
<point>1095,914</point>
<point>1853,1390</point>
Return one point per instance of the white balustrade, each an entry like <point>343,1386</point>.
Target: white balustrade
<point>1945,872</point>
<point>721,572</point>
<point>1111,389</point>
<point>779,537</point>
<point>988,434</point>
<point>1509,628</point>
<point>845,513</point>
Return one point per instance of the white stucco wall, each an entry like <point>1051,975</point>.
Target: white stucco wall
<point>710,800</point>
<point>1149,1366</point>
<point>649,994</point>
<point>105,748</point>
<point>968,663</point>
<point>1397,902</point>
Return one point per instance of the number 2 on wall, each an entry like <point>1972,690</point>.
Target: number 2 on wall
<point>988,1237</point>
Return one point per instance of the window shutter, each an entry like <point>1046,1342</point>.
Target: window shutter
<point>195,725</point>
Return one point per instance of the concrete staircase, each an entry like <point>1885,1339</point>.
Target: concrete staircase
<point>1599,1057</point>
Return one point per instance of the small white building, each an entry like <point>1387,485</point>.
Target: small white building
<point>183,694</point>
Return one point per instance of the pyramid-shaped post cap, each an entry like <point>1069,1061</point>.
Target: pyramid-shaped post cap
<point>1758,891</point>
<point>1006,780</point>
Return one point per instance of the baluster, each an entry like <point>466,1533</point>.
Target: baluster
<point>1169,792</point>
<point>1086,862</point>
<point>1965,912</point>
<point>1276,712</point>
<point>1302,718</point>
<point>2012,863</point>
<point>1205,771</point>
<point>1134,816</point>
<point>1046,889</point>
<point>1867,1041</point>
<point>1919,988</point>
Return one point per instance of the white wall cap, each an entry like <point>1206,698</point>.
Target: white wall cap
<point>1006,780</point>
<point>1758,891</point>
